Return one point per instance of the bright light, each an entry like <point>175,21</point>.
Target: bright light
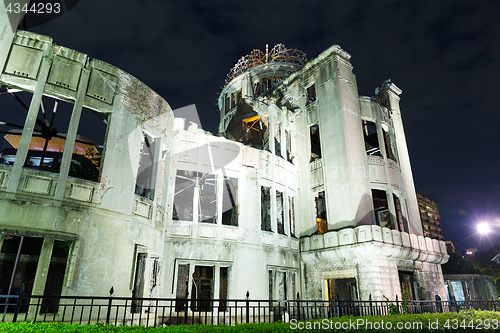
<point>483,228</point>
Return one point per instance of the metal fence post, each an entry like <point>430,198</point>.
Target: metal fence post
<point>298,306</point>
<point>16,311</point>
<point>247,298</point>
<point>108,315</point>
<point>371,305</point>
<point>186,305</point>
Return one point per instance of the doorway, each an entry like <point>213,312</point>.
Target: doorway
<point>342,289</point>
<point>202,288</point>
<point>406,280</point>
<point>342,295</point>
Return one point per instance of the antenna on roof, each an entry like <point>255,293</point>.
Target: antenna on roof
<point>267,52</point>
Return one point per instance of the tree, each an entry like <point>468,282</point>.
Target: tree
<point>483,264</point>
<point>457,265</point>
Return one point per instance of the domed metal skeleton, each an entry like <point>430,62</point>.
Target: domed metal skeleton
<point>279,53</point>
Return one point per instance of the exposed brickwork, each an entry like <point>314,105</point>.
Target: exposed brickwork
<point>141,100</point>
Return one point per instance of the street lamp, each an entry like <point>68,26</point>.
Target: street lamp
<point>483,228</point>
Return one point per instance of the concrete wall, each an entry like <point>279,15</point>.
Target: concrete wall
<point>475,287</point>
<point>105,221</point>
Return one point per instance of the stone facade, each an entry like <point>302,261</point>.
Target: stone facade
<point>307,189</point>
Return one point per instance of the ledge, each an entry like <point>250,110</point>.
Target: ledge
<point>372,240</point>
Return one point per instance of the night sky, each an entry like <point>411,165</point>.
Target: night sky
<point>444,55</point>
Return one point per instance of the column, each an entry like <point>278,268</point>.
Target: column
<point>393,92</point>
<point>29,125</point>
<point>71,136</point>
<point>42,270</point>
<point>2,236</point>
<point>383,151</point>
<point>216,289</point>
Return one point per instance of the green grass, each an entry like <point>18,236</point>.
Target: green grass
<point>465,321</point>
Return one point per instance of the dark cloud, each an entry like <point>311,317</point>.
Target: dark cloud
<point>442,54</point>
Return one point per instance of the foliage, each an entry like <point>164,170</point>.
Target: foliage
<point>392,309</point>
<point>481,264</point>
<point>457,265</point>
<point>405,302</point>
<point>61,248</point>
<point>415,322</point>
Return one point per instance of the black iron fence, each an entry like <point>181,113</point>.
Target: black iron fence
<point>162,311</point>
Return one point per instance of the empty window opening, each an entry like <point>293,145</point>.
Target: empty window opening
<point>277,139</point>
<point>47,143</point>
<point>321,222</point>
<point>195,194</point>
<point>311,94</point>
<point>230,206</point>
<point>30,249</point>
<point>255,132</point>
<point>281,285</point>
<point>184,195</point>
<point>146,175</point>
<point>239,97</point>
<point>381,209</point>
<point>265,208</point>
<point>233,100</point>
<point>455,290</point>
<point>277,79</point>
<point>202,288</point>
<point>291,215</point>
<point>182,287</point>
<point>201,285</point>
<point>289,156</point>
<point>267,83</point>
<point>227,105</point>
<point>248,127</point>
<point>88,150</point>
<point>19,279</point>
<point>256,89</point>
<point>155,272</point>
<point>207,197</point>
<point>279,213</point>
<point>389,145</point>
<point>139,282</point>
<point>13,115</point>
<point>371,139</point>
<point>57,269</point>
<point>401,223</point>
<point>223,288</point>
<point>315,142</point>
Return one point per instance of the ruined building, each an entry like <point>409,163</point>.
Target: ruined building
<point>308,188</point>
